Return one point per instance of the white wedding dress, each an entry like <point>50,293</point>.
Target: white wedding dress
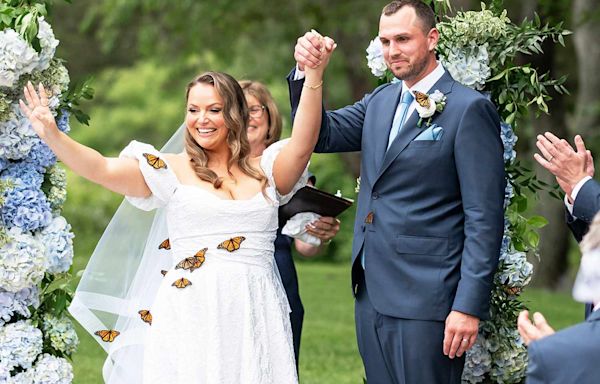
<point>231,324</point>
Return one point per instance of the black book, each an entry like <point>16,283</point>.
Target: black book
<point>311,199</point>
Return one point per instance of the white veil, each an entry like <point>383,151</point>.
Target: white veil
<point>121,278</point>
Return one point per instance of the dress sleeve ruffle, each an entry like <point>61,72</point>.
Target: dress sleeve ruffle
<point>266,163</point>
<point>159,177</point>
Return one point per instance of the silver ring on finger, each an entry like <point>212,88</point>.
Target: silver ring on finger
<point>465,340</point>
<point>550,159</point>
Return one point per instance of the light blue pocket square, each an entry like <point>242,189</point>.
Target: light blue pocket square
<point>432,133</point>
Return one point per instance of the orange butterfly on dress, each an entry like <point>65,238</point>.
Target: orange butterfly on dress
<point>422,99</point>
<point>155,161</point>
<point>146,316</point>
<point>181,283</point>
<point>232,244</point>
<point>194,262</point>
<point>166,244</point>
<point>107,335</point>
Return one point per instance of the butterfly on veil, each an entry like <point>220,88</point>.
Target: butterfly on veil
<point>194,262</point>
<point>181,283</point>
<point>146,316</point>
<point>165,244</point>
<point>163,272</point>
<point>232,244</point>
<point>155,161</point>
<point>107,335</point>
<point>422,99</point>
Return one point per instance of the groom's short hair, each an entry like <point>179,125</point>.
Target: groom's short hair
<point>423,11</point>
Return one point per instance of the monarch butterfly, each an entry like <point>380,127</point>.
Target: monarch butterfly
<point>107,335</point>
<point>166,244</point>
<point>163,272</point>
<point>422,99</point>
<point>232,244</point>
<point>194,262</point>
<point>181,283</point>
<point>155,161</point>
<point>146,316</point>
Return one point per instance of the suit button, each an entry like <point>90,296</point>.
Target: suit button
<point>375,196</point>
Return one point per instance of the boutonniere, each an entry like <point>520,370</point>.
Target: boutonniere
<point>428,105</point>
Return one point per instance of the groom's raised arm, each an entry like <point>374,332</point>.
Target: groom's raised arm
<point>478,154</point>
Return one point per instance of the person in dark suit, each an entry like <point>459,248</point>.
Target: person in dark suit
<point>574,172</point>
<point>264,129</point>
<point>430,213</point>
<point>569,356</point>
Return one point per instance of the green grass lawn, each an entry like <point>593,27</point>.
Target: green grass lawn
<point>329,354</point>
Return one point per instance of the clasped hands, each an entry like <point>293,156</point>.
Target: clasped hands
<point>313,50</point>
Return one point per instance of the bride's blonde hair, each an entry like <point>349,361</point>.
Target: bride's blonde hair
<point>236,116</point>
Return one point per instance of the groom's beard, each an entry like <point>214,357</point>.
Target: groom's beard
<point>412,71</point>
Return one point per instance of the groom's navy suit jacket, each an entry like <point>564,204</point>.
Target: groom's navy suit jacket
<point>569,356</point>
<point>430,213</point>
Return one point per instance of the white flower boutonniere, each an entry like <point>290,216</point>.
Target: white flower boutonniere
<point>428,105</point>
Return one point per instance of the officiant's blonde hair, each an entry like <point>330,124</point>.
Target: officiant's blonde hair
<point>236,116</point>
<point>262,94</point>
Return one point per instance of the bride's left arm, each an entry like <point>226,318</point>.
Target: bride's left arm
<point>293,158</point>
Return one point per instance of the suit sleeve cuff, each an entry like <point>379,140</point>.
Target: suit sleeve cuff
<point>578,187</point>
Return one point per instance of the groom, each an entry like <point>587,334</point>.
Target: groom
<point>430,217</point>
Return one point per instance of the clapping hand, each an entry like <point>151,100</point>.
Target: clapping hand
<point>530,331</point>
<point>568,165</point>
<point>37,110</point>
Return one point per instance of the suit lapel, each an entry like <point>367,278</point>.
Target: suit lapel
<point>409,129</point>
<point>594,316</point>
<point>387,111</point>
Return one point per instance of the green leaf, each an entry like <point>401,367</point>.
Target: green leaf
<point>533,238</point>
<point>537,221</point>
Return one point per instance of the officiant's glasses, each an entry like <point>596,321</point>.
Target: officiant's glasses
<point>257,111</point>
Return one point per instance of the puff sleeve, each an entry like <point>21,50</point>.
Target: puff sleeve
<point>266,163</point>
<point>158,175</point>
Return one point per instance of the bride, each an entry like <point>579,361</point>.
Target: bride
<point>217,312</point>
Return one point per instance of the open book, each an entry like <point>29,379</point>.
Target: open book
<point>311,199</point>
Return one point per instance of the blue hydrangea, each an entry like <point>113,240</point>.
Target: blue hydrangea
<point>58,238</point>
<point>478,362</point>
<point>22,264</point>
<point>468,65</point>
<point>509,139</point>
<point>514,270</point>
<point>20,344</point>
<point>3,164</point>
<point>61,333</point>
<point>509,192</point>
<point>25,205</point>
<point>41,156</point>
<point>12,303</point>
<point>16,136</point>
<point>510,359</point>
<point>63,121</point>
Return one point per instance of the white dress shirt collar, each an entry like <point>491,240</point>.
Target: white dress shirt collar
<point>425,84</point>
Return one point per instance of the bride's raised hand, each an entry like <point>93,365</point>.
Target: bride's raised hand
<point>37,110</point>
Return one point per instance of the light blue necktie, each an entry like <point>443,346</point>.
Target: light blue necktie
<point>400,116</point>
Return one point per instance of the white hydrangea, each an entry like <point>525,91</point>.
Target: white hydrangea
<point>52,370</point>
<point>20,344</point>
<point>469,66</point>
<point>58,239</point>
<point>375,59</point>
<point>61,332</point>
<point>4,372</point>
<point>22,264</point>
<point>17,57</point>
<point>17,136</point>
<point>47,42</point>
<point>478,362</point>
